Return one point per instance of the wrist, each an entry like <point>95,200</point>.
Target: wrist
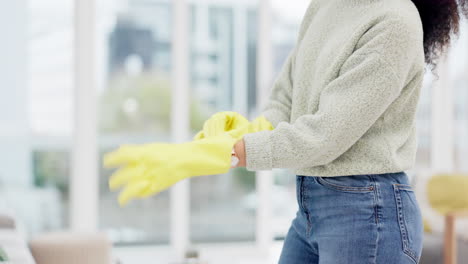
<point>234,159</point>
<point>239,153</point>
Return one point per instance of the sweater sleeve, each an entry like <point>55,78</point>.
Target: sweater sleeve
<point>370,79</point>
<point>278,107</point>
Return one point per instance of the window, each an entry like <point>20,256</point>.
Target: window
<point>222,56</point>
<point>134,107</point>
<point>459,69</point>
<point>36,112</point>
<point>424,122</point>
<point>285,30</point>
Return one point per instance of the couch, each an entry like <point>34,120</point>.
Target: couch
<point>53,248</point>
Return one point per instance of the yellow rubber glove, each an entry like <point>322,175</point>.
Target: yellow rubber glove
<point>221,123</point>
<point>260,124</point>
<point>232,123</point>
<point>149,169</point>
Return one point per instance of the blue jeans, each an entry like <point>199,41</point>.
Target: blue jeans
<point>355,220</point>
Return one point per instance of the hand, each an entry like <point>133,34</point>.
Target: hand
<point>224,122</point>
<point>232,123</point>
<point>151,168</point>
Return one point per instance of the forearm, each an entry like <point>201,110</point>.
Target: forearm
<point>349,106</point>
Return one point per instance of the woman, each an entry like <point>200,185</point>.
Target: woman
<point>342,115</point>
<point>344,110</point>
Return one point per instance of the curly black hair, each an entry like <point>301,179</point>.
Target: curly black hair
<point>441,21</point>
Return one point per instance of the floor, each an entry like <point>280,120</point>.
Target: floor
<point>226,253</point>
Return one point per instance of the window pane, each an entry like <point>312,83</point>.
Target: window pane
<point>36,113</point>
<point>459,64</point>
<point>50,108</point>
<point>287,17</point>
<point>222,72</point>
<point>134,102</point>
<point>424,126</point>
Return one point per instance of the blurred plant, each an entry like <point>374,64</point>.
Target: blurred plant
<point>142,103</point>
<point>244,178</point>
<point>51,169</point>
<point>3,255</point>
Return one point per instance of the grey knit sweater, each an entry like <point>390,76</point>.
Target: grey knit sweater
<point>345,100</point>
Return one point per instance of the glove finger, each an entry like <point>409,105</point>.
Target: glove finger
<point>215,126</point>
<point>150,190</point>
<point>156,187</point>
<point>122,156</point>
<point>199,135</point>
<point>239,132</point>
<point>237,121</point>
<point>155,182</point>
<point>132,191</point>
<point>260,124</point>
<point>264,124</point>
<point>125,175</point>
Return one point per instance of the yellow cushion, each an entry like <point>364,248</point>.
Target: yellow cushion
<point>427,226</point>
<point>448,192</point>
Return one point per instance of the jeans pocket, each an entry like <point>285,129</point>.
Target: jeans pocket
<point>353,184</point>
<point>409,220</point>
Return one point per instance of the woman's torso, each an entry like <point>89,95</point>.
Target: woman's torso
<point>337,27</point>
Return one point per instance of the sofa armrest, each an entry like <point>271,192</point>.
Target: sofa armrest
<point>71,248</point>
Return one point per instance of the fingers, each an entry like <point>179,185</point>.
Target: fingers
<point>122,156</point>
<point>237,121</point>
<point>212,127</point>
<point>215,126</point>
<point>132,191</point>
<point>152,189</point>
<point>199,135</point>
<point>125,175</point>
<point>260,124</point>
<point>138,183</point>
<point>141,187</point>
<point>223,122</point>
<point>239,132</point>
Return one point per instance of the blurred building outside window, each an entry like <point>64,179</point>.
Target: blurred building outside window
<point>459,80</point>
<point>134,95</point>
<point>37,112</point>
<point>222,69</point>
